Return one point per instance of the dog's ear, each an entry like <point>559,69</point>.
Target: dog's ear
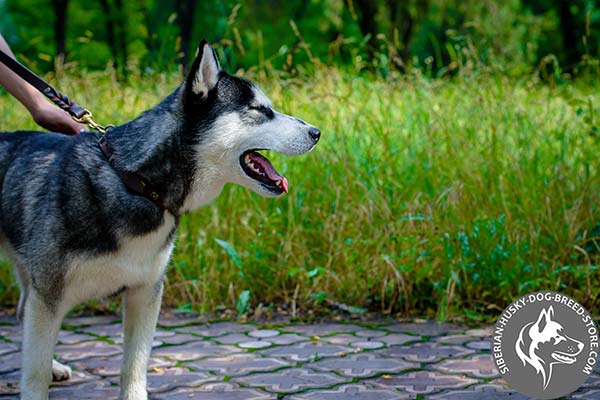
<point>204,74</point>
<point>544,318</point>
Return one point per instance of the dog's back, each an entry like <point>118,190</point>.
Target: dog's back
<point>59,198</point>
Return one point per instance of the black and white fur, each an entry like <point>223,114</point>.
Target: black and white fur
<point>74,231</point>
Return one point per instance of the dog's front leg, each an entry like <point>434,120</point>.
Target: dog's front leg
<point>141,307</point>
<point>41,325</point>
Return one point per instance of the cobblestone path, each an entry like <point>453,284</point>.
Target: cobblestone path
<point>231,361</point>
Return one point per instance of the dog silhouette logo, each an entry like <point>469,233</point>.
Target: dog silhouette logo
<point>545,345</point>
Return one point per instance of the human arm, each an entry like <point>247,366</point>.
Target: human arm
<point>44,114</point>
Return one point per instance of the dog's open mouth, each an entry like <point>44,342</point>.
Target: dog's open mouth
<point>259,168</point>
<point>563,358</point>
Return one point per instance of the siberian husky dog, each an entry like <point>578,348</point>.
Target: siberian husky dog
<point>77,227</point>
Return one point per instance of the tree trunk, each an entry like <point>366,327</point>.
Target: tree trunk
<point>60,29</point>
<point>367,24</point>
<point>110,33</point>
<point>122,37</point>
<point>185,17</point>
<point>402,20</point>
<point>568,27</point>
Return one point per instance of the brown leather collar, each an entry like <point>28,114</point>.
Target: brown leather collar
<point>132,180</point>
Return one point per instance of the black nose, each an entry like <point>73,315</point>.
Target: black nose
<point>314,133</point>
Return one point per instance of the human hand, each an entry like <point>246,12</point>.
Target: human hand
<point>55,119</point>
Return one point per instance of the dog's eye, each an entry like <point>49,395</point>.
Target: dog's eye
<point>263,110</point>
<point>558,339</point>
<point>258,108</point>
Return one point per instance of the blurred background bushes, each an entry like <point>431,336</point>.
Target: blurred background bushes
<point>438,36</point>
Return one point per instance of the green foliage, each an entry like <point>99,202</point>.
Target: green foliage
<point>440,36</point>
<point>442,197</point>
<point>243,303</point>
<point>425,197</point>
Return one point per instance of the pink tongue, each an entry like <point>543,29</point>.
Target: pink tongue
<point>269,170</point>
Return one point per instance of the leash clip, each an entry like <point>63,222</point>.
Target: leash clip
<point>86,118</point>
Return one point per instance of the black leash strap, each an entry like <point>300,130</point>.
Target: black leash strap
<point>132,180</point>
<point>78,113</point>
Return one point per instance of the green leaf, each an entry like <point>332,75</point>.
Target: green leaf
<point>235,257</point>
<point>242,303</point>
<point>319,296</point>
<point>314,272</point>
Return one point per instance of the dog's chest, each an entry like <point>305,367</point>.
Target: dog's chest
<point>139,261</point>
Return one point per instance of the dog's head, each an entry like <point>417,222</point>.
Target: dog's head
<point>544,343</point>
<point>550,342</point>
<point>235,120</point>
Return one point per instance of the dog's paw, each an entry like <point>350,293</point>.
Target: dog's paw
<point>60,372</point>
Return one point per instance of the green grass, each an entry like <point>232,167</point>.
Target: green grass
<point>442,198</point>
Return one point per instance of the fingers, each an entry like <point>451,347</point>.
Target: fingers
<point>56,120</point>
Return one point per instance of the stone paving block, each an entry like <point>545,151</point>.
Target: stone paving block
<point>79,351</point>
<point>352,392</point>
<point>370,333</point>
<point>216,391</point>
<point>362,365</point>
<point>263,333</point>
<point>238,364</point>
<point>115,333</point>
<point>287,338</point>
<point>14,333</point>
<point>232,338</point>
<point>216,329</point>
<point>429,328</point>
<point>322,329</point>
<point>424,382</point>
<point>9,383</point>
<point>10,362</point>
<point>69,337</point>
<point>481,332</point>
<point>342,339</point>
<point>459,339</point>
<point>245,341</point>
<point>111,330</point>
<point>179,321</point>
<point>370,345</point>
<point>478,366</point>
<point>290,380</point>
<point>91,320</point>
<point>6,348</point>
<point>593,381</point>
<point>306,351</point>
<point>255,344</point>
<point>426,352</point>
<point>162,380</point>
<point>395,339</point>
<point>120,340</point>
<point>486,391</point>
<point>481,345</point>
<point>110,366</point>
<point>8,318</point>
<point>587,394</point>
<point>193,351</point>
<point>180,338</point>
<point>88,390</point>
